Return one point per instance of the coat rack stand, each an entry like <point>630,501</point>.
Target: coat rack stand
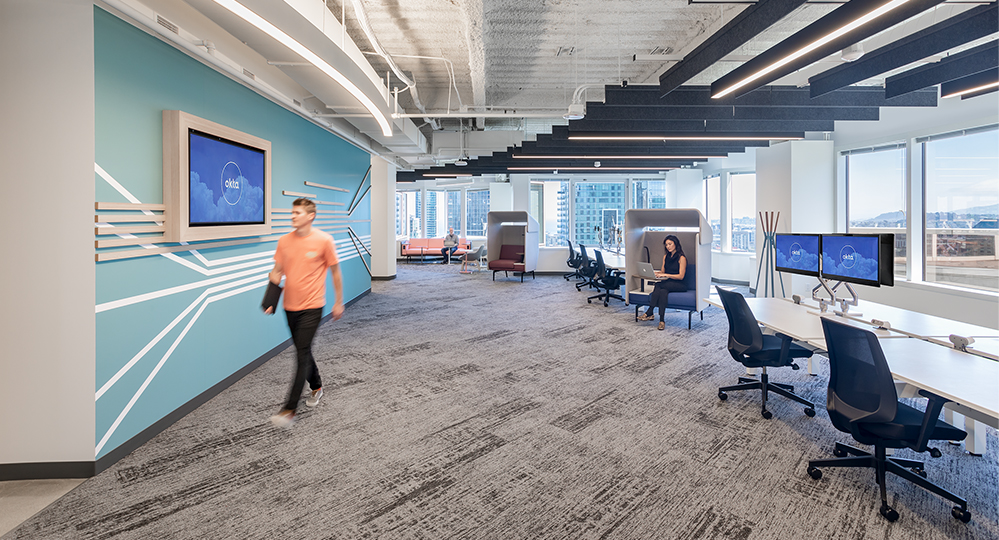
<point>769,222</point>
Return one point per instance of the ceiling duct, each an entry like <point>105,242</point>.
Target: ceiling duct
<point>362,19</point>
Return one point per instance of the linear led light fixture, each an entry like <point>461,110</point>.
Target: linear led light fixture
<point>589,168</point>
<point>314,59</point>
<point>972,84</point>
<point>703,156</point>
<point>685,137</point>
<point>848,27</point>
<point>444,175</point>
<point>463,181</point>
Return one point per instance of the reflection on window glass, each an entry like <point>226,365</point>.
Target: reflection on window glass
<point>962,206</point>
<point>876,197</point>
<point>742,206</point>
<point>453,212</point>
<point>648,194</point>
<point>537,208</point>
<point>436,214</point>
<point>476,211</point>
<point>599,210</point>
<point>407,213</point>
<point>713,193</point>
<point>555,209</point>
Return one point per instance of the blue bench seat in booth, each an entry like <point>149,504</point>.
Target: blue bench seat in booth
<point>686,300</point>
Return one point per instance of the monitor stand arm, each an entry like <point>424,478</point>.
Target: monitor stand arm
<point>823,303</point>
<point>845,304</point>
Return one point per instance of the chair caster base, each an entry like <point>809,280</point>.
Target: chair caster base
<point>814,473</point>
<point>767,414</point>
<point>961,514</point>
<point>889,513</point>
<point>809,412</point>
<point>722,396</point>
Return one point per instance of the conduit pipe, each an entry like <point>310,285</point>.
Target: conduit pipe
<point>201,50</point>
<point>362,19</point>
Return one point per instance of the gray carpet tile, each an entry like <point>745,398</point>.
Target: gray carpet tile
<point>458,407</point>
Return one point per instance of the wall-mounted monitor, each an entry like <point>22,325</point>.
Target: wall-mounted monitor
<point>798,253</point>
<point>216,180</point>
<point>853,258</point>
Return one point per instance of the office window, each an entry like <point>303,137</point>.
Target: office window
<point>875,180</point>
<point>742,210</point>
<point>961,175</point>
<point>712,190</point>
<point>537,208</point>
<point>436,218</point>
<point>598,208</point>
<point>476,211</point>
<point>453,211</point>
<point>405,213</point>
<point>555,210</point>
<point>648,194</point>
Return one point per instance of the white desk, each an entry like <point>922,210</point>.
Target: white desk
<point>918,324</point>
<point>971,382</point>
<point>612,259</point>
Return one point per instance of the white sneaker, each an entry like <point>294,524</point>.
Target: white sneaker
<point>283,419</point>
<point>314,398</point>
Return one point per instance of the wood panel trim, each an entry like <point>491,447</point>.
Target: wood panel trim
<point>135,253</point>
<point>129,206</point>
<point>324,186</point>
<point>126,218</point>
<point>118,242</point>
<point>101,231</point>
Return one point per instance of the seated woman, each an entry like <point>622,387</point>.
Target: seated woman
<point>671,280</point>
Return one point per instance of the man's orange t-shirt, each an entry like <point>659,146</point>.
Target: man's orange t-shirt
<point>304,261</point>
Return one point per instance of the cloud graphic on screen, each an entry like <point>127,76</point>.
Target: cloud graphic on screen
<point>205,208</point>
<point>808,261</point>
<point>863,267</point>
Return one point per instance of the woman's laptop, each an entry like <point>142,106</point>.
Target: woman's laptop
<point>646,271</point>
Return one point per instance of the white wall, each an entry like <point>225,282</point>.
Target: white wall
<point>383,244</point>
<point>688,186</point>
<point>797,179</point>
<point>47,326</point>
<point>500,197</point>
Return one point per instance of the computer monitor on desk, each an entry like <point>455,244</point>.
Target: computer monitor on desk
<point>798,254</point>
<point>852,258</point>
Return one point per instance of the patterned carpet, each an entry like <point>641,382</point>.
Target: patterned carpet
<point>458,407</point>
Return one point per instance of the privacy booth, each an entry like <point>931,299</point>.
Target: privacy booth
<point>644,232</point>
<point>512,243</point>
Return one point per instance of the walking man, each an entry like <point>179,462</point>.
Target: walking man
<point>303,256</point>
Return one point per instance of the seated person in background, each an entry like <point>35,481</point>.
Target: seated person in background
<point>673,269</point>
<point>450,245</point>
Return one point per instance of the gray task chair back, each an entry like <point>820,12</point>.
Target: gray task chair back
<point>744,334</point>
<point>861,387</point>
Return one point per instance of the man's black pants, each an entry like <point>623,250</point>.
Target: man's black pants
<point>303,325</point>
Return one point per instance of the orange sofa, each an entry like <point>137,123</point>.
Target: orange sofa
<point>422,247</point>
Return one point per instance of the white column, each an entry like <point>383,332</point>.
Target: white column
<point>383,245</point>
<point>47,326</point>
<point>521,184</point>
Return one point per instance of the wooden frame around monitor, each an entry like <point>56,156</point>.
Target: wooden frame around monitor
<point>177,181</point>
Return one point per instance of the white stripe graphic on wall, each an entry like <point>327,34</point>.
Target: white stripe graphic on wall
<point>163,360</point>
<point>245,272</point>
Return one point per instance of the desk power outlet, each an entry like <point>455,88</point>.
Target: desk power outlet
<point>885,325</point>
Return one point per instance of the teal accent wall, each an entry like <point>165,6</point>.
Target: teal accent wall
<point>187,335</point>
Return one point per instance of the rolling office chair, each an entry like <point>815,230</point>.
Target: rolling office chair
<point>862,402</point>
<point>573,262</point>
<point>748,345</point>
<point>587,269</point>
<point>606,280</point>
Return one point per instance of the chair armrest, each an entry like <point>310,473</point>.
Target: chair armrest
<point>930,417</point>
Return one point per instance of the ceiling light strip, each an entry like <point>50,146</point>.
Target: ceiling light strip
<point>314,59</point>
<point>972,90</point>
<point>590,168</point>
<point>683,138</point>
<point>849,27</point>
<point>667,158</point>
